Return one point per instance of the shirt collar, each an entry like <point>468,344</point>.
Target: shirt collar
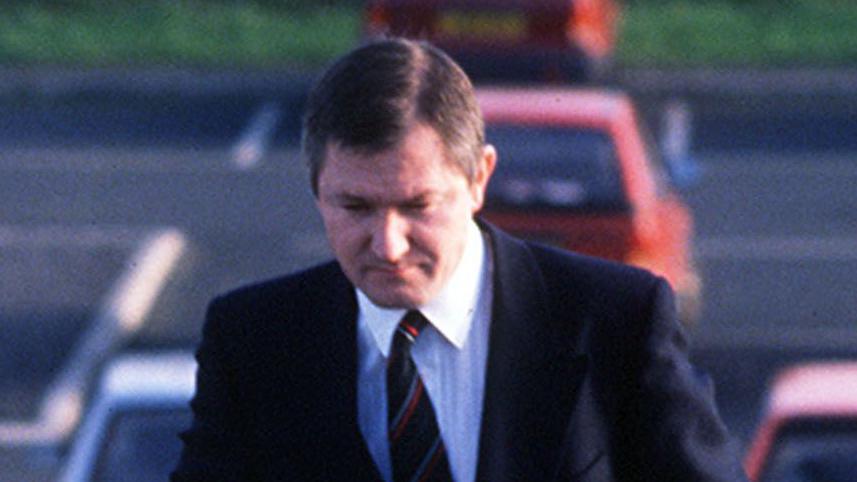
<point>450,312</point>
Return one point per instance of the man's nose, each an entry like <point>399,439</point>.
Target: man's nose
<point>390,237</point>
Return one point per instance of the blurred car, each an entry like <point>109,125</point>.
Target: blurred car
<point>131,432</point>
<point>808,432</point>
<point>578,170</point>
<point>508,39</point>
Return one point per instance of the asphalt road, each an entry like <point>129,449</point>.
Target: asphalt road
<point>775,211</point>
<point>777,245</point>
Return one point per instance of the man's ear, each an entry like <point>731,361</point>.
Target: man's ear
<point>484,168</point>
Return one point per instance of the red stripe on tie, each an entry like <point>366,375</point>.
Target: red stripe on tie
<point>412,406</point>
<point>435,459</point>
<point>410,329</point>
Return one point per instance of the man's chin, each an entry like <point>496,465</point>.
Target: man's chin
<point>394,298</point>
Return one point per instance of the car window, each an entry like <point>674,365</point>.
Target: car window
<point>141,445</point>
<point>554,167</point>
<point>825,451</point>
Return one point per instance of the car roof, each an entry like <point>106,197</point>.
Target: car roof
<point>135,377</point>
<point>130,382</point>
<point>559,104</point>
<point>810,391</point>
<point>822,388</point>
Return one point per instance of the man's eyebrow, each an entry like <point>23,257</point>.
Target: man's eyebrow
<point>346,197</point>
<point>350,197</point>
<point>420,198</point>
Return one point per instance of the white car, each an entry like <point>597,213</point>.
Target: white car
<point>131,431</point>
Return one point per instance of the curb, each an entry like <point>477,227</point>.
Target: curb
<point>181,81</point>
<point>747,82</point>
<point>190,81</point>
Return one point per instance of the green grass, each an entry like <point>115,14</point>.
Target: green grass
<point>173,32</point>
<point>276,33</point>
<point>732,33</point>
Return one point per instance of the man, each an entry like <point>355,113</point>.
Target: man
<point>436,347</point>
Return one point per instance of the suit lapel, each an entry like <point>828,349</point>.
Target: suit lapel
<point>336,322</point>
<point>532,376</point>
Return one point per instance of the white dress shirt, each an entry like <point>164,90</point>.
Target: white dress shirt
<point>450,356</point>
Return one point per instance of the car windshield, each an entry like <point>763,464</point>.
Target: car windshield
<point>814,452</point>
<point>554,167</point>
<point>141,445</point>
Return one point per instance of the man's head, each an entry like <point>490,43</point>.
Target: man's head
<point>367,98</point>
<point>394,141</point>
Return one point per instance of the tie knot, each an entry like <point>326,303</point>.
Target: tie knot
<point>412,324</point>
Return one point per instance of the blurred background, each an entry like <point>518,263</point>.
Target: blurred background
<point>149,162</point>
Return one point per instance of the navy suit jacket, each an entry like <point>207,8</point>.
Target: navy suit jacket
<point>588,379</point>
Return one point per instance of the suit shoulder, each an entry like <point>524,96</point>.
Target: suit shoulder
<point>568,268</point>
<point>615,293</point>
<point>294,285</point>
<point>570,277</point>
<point>295,295</point>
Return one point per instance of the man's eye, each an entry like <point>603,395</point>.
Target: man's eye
<point>417,206</point>
<point>356,207</point>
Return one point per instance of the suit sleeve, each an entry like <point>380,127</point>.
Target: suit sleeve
<point>215,447</point>
<point>672,425</point>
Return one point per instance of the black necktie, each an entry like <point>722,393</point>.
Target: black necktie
<point>416,448</point>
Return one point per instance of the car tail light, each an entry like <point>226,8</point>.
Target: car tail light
<point>412,20</point>
<point>590,26</point>
<point>377,20</point>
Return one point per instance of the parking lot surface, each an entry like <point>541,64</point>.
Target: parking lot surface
<point>776,223</point>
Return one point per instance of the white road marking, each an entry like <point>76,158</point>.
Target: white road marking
<point>781,248</point>
<point>676,128</point>
<point>122,313</point>
<point>137,290</point>
<point>253,143</point>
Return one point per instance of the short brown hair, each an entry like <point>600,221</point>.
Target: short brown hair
<point>366,100</point>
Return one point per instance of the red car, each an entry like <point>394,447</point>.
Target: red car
<point>577,170</point>
<point>508,39</point>
<point>809,429</point>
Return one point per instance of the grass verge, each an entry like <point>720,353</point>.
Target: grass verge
<point>256,33</point>
<point>680,33</point>
<point>173,32</point>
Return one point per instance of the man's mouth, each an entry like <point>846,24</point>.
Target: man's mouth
<point>390,270</point>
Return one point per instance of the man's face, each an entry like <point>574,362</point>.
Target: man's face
<point>397,220</point>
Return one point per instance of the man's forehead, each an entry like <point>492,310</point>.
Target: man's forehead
<point>373,177</point>
<point>386,179</point>
<point>380,160</point>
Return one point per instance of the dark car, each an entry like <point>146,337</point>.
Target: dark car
<point>508,39</point>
